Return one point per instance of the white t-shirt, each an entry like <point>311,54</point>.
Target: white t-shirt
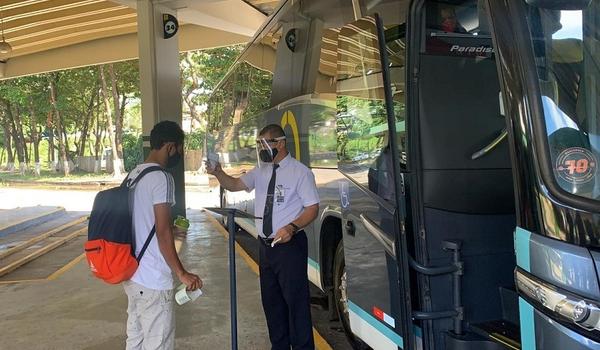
<point>295,189</point>
<point>156,187</point>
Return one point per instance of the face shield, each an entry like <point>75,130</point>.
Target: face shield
<point>266,149</point>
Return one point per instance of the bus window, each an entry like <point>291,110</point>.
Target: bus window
<point>362,125</point>
<point>453,28</point>
<point>565,46</point>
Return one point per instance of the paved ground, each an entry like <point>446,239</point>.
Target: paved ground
<point>68,309</point>
<point>77,311</point>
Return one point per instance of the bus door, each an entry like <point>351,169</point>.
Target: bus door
<point>370,128</point>
<point>550,75</point>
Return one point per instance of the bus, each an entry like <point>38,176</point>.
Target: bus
<point>455,145</point>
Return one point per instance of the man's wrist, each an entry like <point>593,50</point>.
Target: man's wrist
<point>295,228</point>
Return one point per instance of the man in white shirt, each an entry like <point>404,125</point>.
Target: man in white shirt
<point>287,200</point>
<point>151,321</point>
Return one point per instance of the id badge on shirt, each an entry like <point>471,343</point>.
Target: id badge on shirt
<point>279,194</point>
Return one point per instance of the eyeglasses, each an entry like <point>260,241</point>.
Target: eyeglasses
<point>277,139</point>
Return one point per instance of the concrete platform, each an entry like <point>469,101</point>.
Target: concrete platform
<point>19,219</point>
<point>73,310</point>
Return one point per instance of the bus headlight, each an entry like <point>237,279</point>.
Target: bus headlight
<point>579,311</point>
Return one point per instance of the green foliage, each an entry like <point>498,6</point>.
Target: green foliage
<point>194,140</point>
<point>201,72</point>
<point>76,93</point>
<point>133,151</point>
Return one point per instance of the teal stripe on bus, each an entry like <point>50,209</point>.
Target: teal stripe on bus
<point>314,264</point>
<point>527,325</point>
<point>522,242</point>
<point>375,323</point>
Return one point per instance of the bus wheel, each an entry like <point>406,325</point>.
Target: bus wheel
<point>341,297</point>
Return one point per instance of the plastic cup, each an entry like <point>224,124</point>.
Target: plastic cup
<point>182,295</point>
<point>181,223</point>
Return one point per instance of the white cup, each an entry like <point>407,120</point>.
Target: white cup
<point>182,295</point>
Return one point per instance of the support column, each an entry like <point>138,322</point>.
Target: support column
<point>160,83</point>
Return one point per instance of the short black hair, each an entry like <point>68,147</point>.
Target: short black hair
<point>273,129</point>
<point>166,131</point>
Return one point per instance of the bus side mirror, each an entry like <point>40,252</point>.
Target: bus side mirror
<point>560,4</point>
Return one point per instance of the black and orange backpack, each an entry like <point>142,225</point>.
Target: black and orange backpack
<point>110,248</point>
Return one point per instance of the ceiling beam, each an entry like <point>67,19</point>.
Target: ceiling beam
<point>234,16</point>
<point>191,37</point>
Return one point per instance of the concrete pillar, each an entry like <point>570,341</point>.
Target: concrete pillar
<point>160,83</point>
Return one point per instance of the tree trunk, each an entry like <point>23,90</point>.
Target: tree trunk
<point>86,126</point>
<point>10,161</point>
<point>19,123</point>
<point>35,142</point>
<point>50,127</point>
<point>118,116</point>
<point>98,137</point>
<point>59,127</point>
<point>188,95</point>
<point>123,100</point>
<point>111,132</point>
<point>16,135</point>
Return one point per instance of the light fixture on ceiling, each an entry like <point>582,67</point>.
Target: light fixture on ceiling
<point>5,47</point>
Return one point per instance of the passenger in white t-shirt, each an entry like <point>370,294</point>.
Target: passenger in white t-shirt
<point>151,321</point>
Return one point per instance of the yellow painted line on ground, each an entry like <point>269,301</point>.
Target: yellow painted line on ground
<point>36,254</point>
<point>320,342</point>
<point>23,281</point>
<point>41,237</point>
<point>253,266</point>
<point>65,268</point>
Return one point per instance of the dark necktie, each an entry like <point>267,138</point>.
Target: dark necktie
<point>268,215</point>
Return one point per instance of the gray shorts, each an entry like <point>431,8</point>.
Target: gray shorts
<point>151,320</point>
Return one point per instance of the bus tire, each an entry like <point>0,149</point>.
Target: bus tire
<point>341,299</point>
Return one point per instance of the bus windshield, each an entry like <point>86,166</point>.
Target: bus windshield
<point>566,50</point>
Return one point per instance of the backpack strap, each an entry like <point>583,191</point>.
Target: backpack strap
<point>146,244</point>
<point>129,184</point>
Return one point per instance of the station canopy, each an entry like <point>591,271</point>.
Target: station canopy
<point>48,35</point>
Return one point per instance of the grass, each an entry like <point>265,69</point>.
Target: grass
<point>52,176</point>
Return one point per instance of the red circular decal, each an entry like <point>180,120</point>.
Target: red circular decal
<point>576,165</point>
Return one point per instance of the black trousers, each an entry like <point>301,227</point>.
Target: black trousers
<point>285,294</point>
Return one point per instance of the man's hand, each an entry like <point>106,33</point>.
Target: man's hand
<point>284,234</point>
<point>192,281</point>
<point>213,171</point>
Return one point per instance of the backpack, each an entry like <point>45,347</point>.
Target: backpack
<point>110,248</point>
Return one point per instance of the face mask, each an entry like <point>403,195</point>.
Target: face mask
<point>173,160</point>
<point>266,156</point>
<point>265,152</point>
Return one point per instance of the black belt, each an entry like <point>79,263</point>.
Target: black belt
<point>265,241</point>
<point>269,241</point>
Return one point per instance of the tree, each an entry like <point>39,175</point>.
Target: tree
<point>111,130</point>
<point>6,128</point>
<point>58,124</point>
<point>201,72</point>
